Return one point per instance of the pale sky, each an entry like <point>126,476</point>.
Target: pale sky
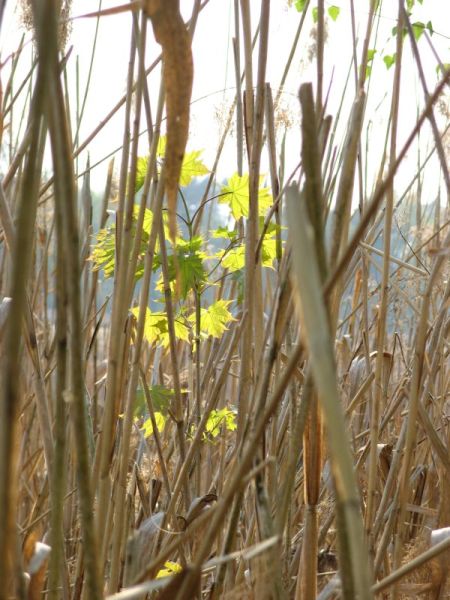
<point>214,73</point>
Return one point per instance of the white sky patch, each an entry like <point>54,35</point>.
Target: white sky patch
<point>214,83</point>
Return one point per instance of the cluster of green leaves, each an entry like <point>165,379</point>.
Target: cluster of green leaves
<point>214,321</point>
<point>410,4</point>
<point>104,251</point>
<point>218,419</point>
<point>188,258</point>
<point>333,10</point>
<point>418,28</point>
<point>161,400</point>
<point>232,258</point>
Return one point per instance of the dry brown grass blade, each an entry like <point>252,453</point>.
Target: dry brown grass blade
<point>178,73</point>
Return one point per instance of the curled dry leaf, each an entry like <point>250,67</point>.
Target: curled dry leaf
<point>35,557</point>
<point>198,505</point>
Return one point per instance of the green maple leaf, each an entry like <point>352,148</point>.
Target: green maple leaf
<point>236,194</point>
<point>161,397</point>
<point>190,262</point>
<point>215,319</point>
<point>190,257</point>
<point>268,251</point>
<point>233,259</point>
<point>103,253</point>
<point>155,324</point>
<point>220,418</point>
<point>141,172</point>
<point>156,329</point>
<point>224,232</point>
<point>192,166</point>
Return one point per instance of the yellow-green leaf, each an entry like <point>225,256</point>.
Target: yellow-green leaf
<point>236,194</point>
<point>192,166</point>
<point>191,270</point>
<point>103,253</point>
<point>220,418</point>
<point>141,172</point>
<point>215,319</point>
<point>389,60</point>
<point>233,259</point>
<point>334,11</point>
<point>300,5</point>
<point>268,251</point>
<point>147,426</point>
<point>170,568</point>
<point>156,330</point>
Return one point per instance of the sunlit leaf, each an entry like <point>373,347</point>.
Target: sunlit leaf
<point>156,330</point>
<point>268,251</point>
<point>442,68</point>
<point>233,259</point>
<point>224,232</point>
<point>371,54</point>
<point>334,11</point>
<point>217,419</point>
<point>141,171</point>
<point>215,319</point>
<point>236,194</point>
<point>103,253</point>
<point>418,28</point>
<point>170,568</point>
<point>192,166</point>
<point>389,60</point>
<point>161,148</point>
<point>104,250</point>
<point>300,5</point>
<point>404,31</point>
<point>181,332</point>
<point>190,257</point>
<point>147,426</point>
